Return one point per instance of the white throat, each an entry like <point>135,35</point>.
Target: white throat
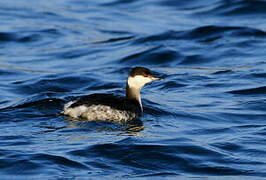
<point>134,85</point>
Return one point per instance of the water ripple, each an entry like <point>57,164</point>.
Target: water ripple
<point>205,119</point>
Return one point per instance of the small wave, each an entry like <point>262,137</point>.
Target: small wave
<point>17,163</point>
<point>112,40</point>
<point>225,71</point>
<point>160,158</point>
<point>186,5</point>
<point>207,32</point>
<point>256,105</point>
<point>27,36</point>
<point>171,84</point>
<point>238,7</point>
<point>259,75</point>
<point>43,102</point>
<point>49,107</point>
<point>155,55</point>
<point>8,72</point>
<point>250,91</point>
<point>16,37</point>
<point>168,35</point>
<point>203,34</point>
<point>58,160</point>
<point>50,84</point>
<point>6,37</point>
<point>119,2</point>
<point>194,59</point>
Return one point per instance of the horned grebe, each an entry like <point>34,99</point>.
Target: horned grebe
<point>107,107</point>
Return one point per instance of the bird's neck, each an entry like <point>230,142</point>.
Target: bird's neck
<point>134,93</point>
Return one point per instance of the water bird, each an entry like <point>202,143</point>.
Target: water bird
<point>109,107</point>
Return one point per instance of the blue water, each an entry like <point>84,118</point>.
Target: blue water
<point>205,120</point>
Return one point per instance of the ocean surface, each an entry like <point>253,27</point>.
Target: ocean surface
<point>205,120</point>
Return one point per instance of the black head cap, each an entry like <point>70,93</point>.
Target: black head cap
<point>140,71</point>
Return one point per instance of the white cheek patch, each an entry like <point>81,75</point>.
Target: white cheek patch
<point>138,81</point>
